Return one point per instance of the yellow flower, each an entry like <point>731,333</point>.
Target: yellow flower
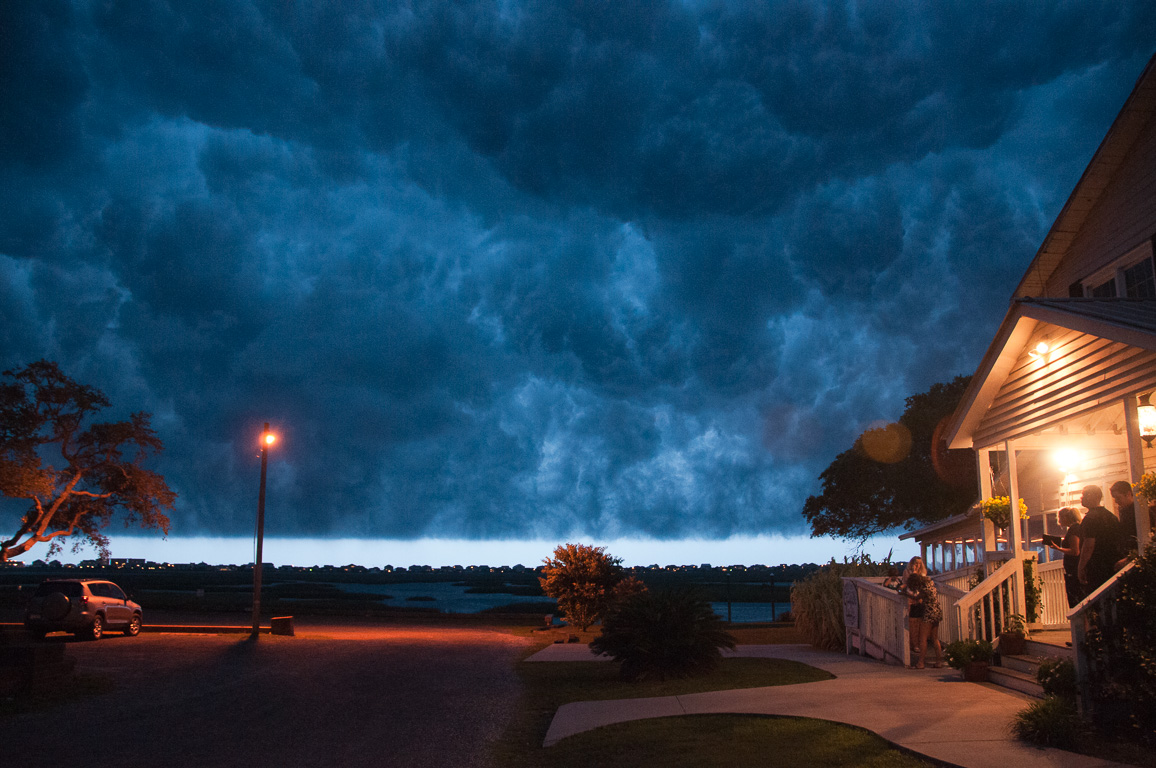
<point>998,510</point>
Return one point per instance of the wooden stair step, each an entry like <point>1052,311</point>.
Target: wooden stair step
<point>1016,680</point>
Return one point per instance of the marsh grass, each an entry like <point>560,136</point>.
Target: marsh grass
<point>818,601</point>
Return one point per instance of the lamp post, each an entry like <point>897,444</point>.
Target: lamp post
<point>267,439</point>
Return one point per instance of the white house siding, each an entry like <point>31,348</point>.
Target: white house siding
<point>1081,374</point>
<point>1122,218</point>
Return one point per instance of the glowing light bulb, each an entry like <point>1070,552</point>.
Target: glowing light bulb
<point>1067,459</point>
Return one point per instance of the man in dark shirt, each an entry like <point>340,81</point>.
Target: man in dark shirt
<point>1100,545</point>
<point>1121,493</point>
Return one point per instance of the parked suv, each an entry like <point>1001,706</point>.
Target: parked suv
<point>85,607</point>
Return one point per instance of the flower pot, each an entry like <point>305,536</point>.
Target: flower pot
<point>975,672</point>
<point>1012,644</point>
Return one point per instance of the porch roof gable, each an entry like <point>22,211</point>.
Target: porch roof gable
<point>1130,322</point>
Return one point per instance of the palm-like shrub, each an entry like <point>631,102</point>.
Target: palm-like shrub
<point>671,633</point>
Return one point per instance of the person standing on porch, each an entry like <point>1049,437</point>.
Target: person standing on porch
<point>925,612</point>
<point>1070,546</point>
<point>1100,544</point>
<point>1125,502</point>
<point>914,606</point>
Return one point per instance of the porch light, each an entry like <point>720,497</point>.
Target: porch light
<point>1039,350</point>
<point>1146,413</point>
<point>1067,460</point>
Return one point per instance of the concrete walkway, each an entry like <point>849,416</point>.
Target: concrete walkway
<point>931,711</point>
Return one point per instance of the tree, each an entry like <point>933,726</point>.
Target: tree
<point>897,475</point>
<point>668,633</point>
<point>582,579</point>
<point>100,468</point>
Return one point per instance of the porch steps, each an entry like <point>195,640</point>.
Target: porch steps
<point>1008,676</point>
<point>1019,672</point>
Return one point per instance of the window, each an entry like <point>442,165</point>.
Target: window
<point>1139,281</point>
<point>1105,290</point>
<point>1131,276</point>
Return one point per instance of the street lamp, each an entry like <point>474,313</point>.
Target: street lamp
<point>267,440</point>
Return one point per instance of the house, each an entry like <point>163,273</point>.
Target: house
<point>1056,401</point>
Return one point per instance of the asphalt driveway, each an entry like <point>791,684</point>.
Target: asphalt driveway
<point>335,695</point>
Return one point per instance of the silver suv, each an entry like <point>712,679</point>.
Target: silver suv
<point>85,607</point>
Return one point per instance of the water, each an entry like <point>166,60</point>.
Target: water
<point>746,613</point>
<point>453,598</point>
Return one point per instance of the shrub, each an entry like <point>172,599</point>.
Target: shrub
<point>1058,677</point>
<point>1050,722</point>
<point>962,652</point>
<point>818,600</point>
<point>672,633</point>
<point>1122,678</point>
<point>582,579</point>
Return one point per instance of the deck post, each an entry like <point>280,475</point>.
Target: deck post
<point>1015,531</point>
<point>1136,469</point>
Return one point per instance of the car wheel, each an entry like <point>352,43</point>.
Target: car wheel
<point>133,628</point>
<point>95,631</point>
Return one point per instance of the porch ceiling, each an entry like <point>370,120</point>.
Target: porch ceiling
<point>1099,351</point>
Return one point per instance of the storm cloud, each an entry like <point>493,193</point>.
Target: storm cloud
<point>513,269</point>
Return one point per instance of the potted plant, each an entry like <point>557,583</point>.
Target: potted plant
<point>972,657</point>
<point>1014,636</point>
<point>998,510</point>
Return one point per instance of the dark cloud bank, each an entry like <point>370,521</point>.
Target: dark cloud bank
<point>531,269</point>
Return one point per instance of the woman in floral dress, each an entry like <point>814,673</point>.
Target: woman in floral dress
<point>921,589</point>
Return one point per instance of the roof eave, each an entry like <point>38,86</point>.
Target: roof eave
<point>1137,110</point>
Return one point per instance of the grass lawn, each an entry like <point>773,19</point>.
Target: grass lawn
<point>716,740</point>
<point>742,741</point>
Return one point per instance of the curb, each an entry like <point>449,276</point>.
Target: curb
<point>183,629</point>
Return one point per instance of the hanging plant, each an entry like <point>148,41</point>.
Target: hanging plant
<point>1147,486</point>
<point>998,510</point>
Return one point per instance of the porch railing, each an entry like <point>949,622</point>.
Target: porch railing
<point>1099,609</point>
<point>875,619</point>
<point>950,629</point>
<point>1053,596</point>
<point>981,612</point>
<point>960,578</point>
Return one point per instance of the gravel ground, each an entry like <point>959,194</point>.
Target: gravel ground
<point>337,694</point>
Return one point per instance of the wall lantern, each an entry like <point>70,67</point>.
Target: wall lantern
<point>1146,413</point>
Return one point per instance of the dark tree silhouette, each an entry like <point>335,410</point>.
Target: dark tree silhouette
<point>671,633</point>
<point>75,475</point>
<point>898,475</point>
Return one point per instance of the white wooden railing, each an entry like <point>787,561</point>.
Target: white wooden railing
<point>1053,596</point>
<point>980,613</point>
<point>960,578</point>
<point>875,619</point>
<point>950,629</point>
